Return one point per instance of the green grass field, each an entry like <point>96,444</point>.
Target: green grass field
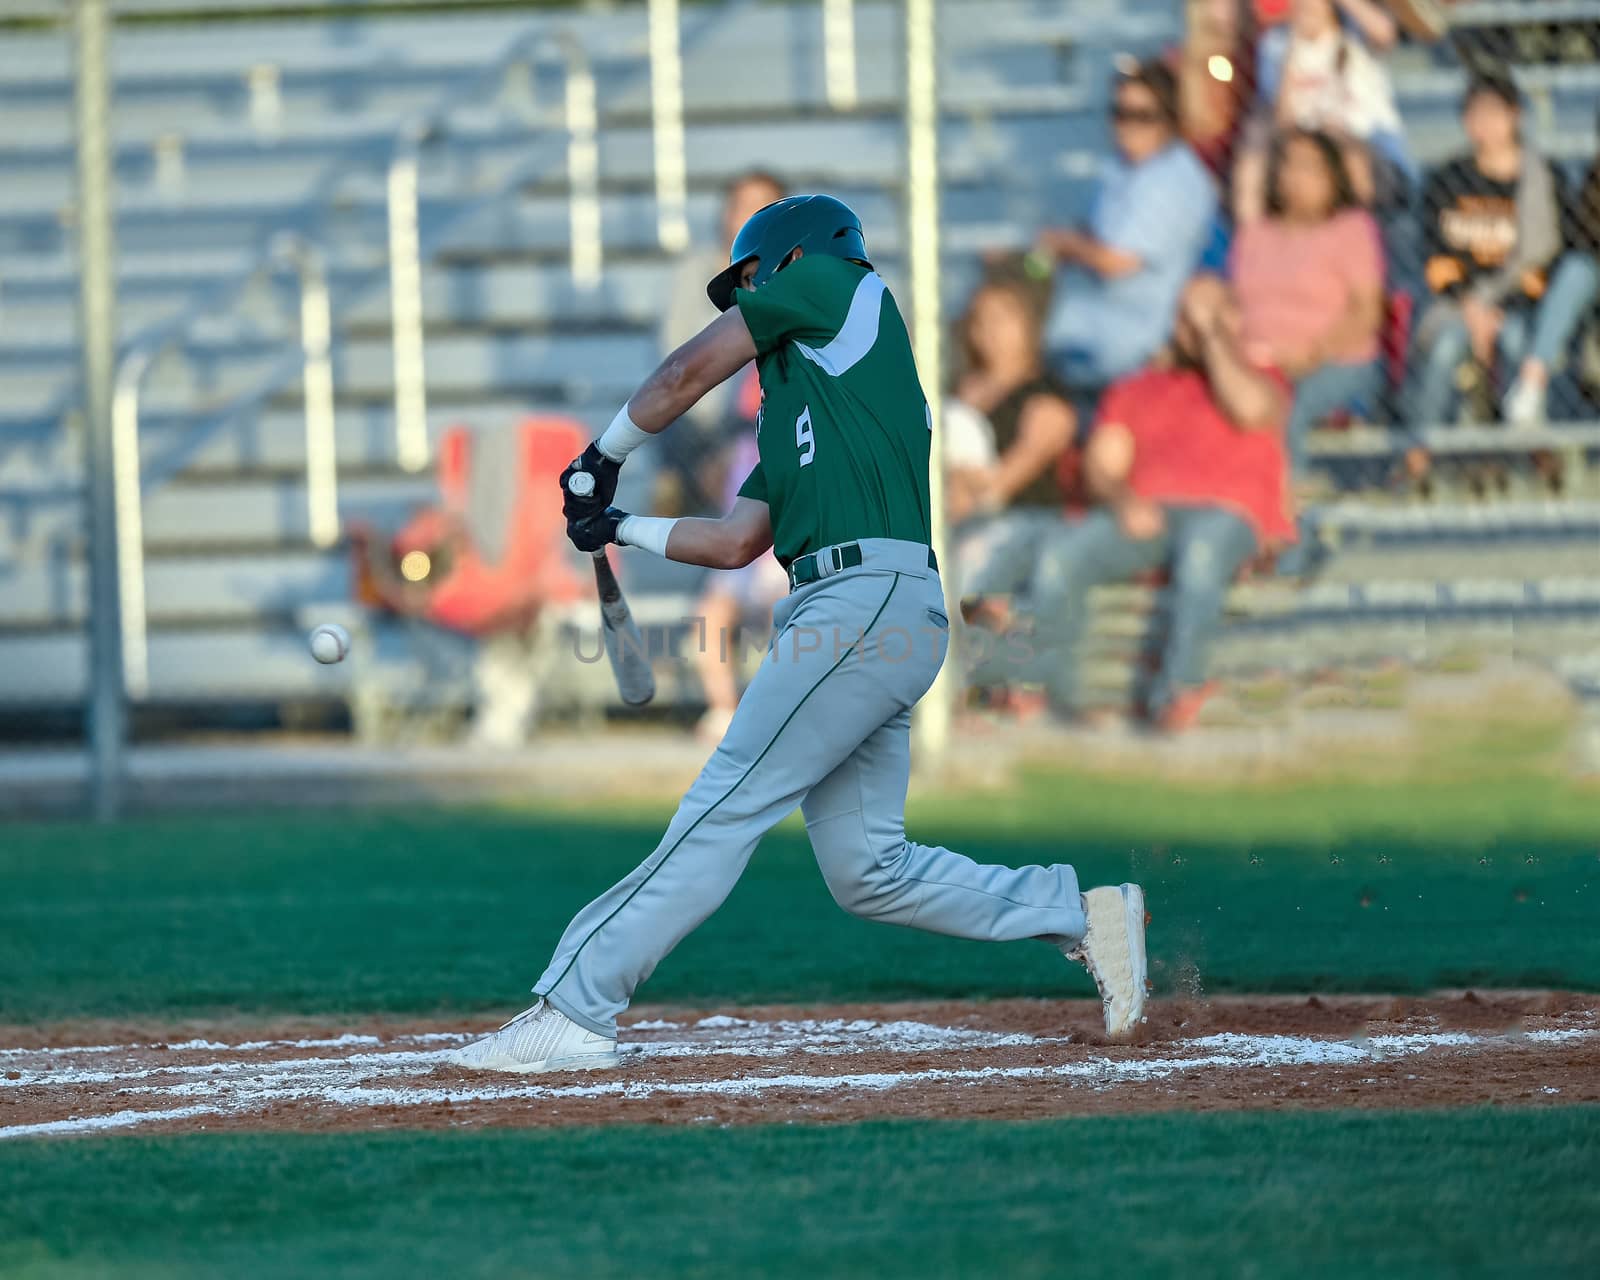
<point>1354,888</point>
<point>1383,889</point>
<point>1360,1194</point>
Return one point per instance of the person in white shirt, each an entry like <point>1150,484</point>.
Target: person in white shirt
<point>1320,71</point>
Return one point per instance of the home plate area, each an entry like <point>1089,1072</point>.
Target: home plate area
<point>1000,1059</point>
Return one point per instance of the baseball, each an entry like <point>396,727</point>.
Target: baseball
<point>330,643</point>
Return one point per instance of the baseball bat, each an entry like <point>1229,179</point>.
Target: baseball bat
<point>624,645</point>
<point>630,665</point>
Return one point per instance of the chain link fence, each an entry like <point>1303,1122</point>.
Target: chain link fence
<point>1433,167</point>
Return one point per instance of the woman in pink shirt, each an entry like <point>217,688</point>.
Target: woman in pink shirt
<point>1309,278</point>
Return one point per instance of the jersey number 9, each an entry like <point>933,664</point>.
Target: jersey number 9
<point>803,439</point>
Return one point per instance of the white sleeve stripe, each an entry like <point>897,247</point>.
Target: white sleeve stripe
<point>858,333</point>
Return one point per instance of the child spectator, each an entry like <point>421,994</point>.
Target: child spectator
<point>1119,279</point>
<point>1574,289</point>
<point>731,602</point>
<point>1007,501</point>
<point>1318,71</point>
<point>1493,225</point>
<point>1309,279</point>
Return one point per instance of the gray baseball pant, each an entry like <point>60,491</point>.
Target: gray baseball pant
<point>825,725</point>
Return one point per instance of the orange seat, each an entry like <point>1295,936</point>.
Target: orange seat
<point>477,596</point>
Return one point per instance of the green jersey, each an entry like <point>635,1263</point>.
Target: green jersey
<point>843,431</point>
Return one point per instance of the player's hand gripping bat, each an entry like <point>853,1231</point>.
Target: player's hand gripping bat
<point>624,645</point>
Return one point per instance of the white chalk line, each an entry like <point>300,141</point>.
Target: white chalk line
<point>95,1124</point>
<point>243,1046</point>
<point>736,1038</point>
<point>240,1088</point>
<point>733,1029</point>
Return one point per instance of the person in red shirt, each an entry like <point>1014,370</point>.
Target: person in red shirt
<point>1187,457</point>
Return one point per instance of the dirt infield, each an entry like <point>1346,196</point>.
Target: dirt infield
<point>1006,1059</point>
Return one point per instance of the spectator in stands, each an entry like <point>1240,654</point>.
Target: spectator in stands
<point>1424,21</point>
<point>1215,68</point>
<point>1309,279</point>
<point>1003,502</point>
<point>735,607</point>
<point>1118,280</point>
<point>1007,428</point>
<point>694,460</point>
<point>1187,458</point>
<point>1318,71</point>
<point>1493,226</point>
<point>1570,299</point>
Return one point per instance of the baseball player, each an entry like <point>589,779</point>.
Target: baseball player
<point>840,495</point>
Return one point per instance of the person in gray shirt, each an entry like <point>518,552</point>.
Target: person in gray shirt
<point>695,450</point>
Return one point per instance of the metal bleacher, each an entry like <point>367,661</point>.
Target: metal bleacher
<point>227,133</point>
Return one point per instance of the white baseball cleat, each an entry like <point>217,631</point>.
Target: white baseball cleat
<point>1112,950</point>
<point>538,1039</point>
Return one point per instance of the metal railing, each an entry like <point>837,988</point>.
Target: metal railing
<point>839,53</point>
<point>934,713</point>
<point>666,127</point>
<point>536,162</point>
<point>312,362</point>
<point>405,243</point>
<point>322,479</point>
<point>325,191</point>
<point>408,247</point>
<point>583,171</point>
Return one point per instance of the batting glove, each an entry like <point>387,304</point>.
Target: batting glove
<point>593,493</point>
<point>590,533</point>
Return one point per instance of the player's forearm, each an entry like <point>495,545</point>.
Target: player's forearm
<point>704,542</point>
<point>673,389</point>
<point>664,397</point>
<point>714,544</point>
<point>727,543</point>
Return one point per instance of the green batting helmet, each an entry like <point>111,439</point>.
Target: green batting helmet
<point>814,224</point>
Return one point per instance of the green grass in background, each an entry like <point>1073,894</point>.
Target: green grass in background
<point>1472,1192</point>
<point>1402,887</point>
